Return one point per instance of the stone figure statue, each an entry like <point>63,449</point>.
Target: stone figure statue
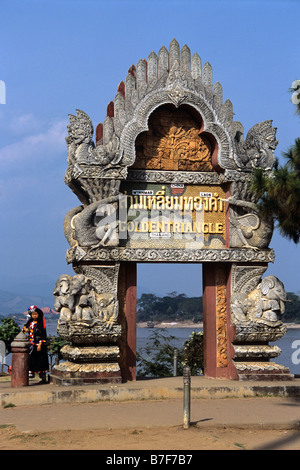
<point>73,298</point>
<point>81,148</point>
<point>257,149</point>
<point>79,140</point>
<point>264,305</point>
<point>82,298</point>
<point>108,309</point>
<point>63,297</point>
<point>77,301</point>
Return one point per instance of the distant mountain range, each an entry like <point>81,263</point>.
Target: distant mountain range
<point>17,303</point>
<point>12,302</point>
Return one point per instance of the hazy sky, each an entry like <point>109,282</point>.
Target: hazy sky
<point>59,55</point>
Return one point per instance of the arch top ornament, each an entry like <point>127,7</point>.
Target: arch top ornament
<point>170,77</point>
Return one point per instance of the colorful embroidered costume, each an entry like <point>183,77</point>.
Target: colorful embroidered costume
<point>36,328</point>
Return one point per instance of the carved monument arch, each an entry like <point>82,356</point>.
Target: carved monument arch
<point>167,180</point>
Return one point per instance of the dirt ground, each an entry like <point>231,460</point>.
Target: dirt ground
<point>161,438</point>
<point>266,423</point>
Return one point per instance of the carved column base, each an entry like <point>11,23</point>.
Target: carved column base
<point>252,360</point>
<point>83,354</point>
<point>87,365</point>
<point>255,352</point>
<point>268,371</point>
<point>72,373</point>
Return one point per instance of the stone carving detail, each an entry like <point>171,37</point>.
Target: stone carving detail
<point>249,230</point>
<point>185,177</point>
<point>93,226</point>
<point>81,149</point>
<point>171,254</point>
<point>104,278</point>
<point>257,306</point>
<point>78,301</point>
<point>173,143</point>
<point>171,78</point>
<point>245,278</point>
<point>88,320</point>
<point>73,298</point>
<point>257,150</point>
<point>264,305</point>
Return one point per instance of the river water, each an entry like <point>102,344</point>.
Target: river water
<point>289,344</point>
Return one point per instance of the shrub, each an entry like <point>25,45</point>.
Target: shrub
<point>192,353</point>
<point>156,359</point>
<point>8,331</point>
<point>55,343</point>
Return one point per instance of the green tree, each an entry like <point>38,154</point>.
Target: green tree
<point>278,192</point>
<point>192,353</point>
<point>156,359</point>
<point>146,307</point>
<point>171,307</point>
<point>292,309</point>
<point>8,331</point>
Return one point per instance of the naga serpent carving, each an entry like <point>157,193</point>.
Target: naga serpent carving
<point>82,228</point>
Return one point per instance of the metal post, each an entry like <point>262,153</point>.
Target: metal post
<point>175,363</point>
<point>186,397</point>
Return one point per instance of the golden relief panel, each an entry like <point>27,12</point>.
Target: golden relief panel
<point>221,318</point>
<point>173,143</point>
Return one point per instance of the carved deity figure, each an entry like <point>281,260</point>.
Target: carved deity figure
<point>257,149</point>
<point>63,297</point>
<point>107,308</point>
<point>82,299</point>
<point>263,305</point>
<point>81,148</point>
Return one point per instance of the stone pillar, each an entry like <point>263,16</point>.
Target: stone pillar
<point>217,328</point>
<point>20,361</point>
<point>127,317</point>
<point>257,306</point>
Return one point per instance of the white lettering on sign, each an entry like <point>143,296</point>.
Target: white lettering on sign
<point>142,192</point>
<point>160,235</point>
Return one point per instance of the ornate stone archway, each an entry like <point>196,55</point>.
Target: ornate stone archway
<point>168,180</point>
